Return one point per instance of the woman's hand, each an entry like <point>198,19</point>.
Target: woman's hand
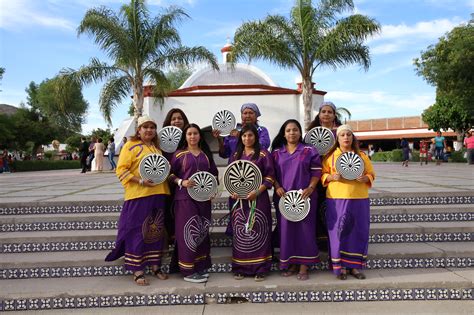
<point>363,179</point>
<point>148,183</point>
<point>234,133</point>
<point>307,192</point>
<point>216,133</point>
<point>252,195</point>
<point>280,192</point>
<point>188,183</point>
<point>335,177</point>
<point>234,196</point>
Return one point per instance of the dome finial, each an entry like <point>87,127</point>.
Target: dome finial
<point>226,51</point>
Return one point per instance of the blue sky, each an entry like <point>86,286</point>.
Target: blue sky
<point>38,38</point>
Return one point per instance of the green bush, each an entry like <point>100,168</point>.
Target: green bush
<point>382,156</point>
<point>48,155</point>
<point>415,156</point>
<point>458,156</point>
<point>27,166</point>
<point>397,155</point>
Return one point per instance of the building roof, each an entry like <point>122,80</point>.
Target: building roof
<point>241,74</point>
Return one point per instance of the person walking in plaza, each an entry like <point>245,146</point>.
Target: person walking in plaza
<point>405,151</point>
<point>176,118</point>
<point>84,153</point>
<point>440,145</point>
<point>327,118</point>
<point>192,218</point>
<point>251,242</point>
<point>6,167</point>
<point>423,152</point>
<point>469,143</point>
<point>348,208</point>
<point>99,150</point>
<point>140,226</point>
<point>91,155</point>
<point>111,153</point>
<point>297,167</point>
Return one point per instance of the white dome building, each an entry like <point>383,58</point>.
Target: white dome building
<point>208,91</point>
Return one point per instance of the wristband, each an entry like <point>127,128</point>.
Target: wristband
<point>180,183</point>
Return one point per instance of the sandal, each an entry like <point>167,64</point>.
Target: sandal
<point>259,277</point>
<point>357,274</point>
<point>287,273</point>
<point>140,280</point>
<point>238,276</point>
<point>342,276</point>
<point>302,276</point>
<point>160,275</point>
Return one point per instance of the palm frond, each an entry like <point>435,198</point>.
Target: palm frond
<point>115,90</point>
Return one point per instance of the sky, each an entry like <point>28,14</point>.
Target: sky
<point>38,38</point>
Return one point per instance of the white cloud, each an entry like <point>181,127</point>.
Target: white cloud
<point>21,14</point>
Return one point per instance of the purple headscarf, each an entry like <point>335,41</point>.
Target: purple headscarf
<point>330,104</point>
<point>251,106</point>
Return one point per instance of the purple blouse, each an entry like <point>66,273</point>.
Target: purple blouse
<point>264,163</point>
<point>230,143</point>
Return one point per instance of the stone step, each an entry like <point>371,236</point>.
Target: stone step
<point>405,199</point>
<point>91,263</point>
<point>18,242</point>
<point>108,220</point>
<point>120,291</point>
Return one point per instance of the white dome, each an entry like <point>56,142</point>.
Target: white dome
<point>239,75</point>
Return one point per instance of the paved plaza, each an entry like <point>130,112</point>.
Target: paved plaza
<point>71,186</point>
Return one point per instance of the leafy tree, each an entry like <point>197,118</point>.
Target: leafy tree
<point>447,113</point>
<point>140,47</point>
<point>73,142</point>
<point>312,37</point>
<point>2,71</point>
<point>448,66</point>
<point>105,134</point>
<point>7,131</point>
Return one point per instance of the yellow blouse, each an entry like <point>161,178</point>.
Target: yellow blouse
<point>128,166</point>
<point>346,189</point>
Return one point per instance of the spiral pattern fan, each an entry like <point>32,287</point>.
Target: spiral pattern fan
<point>350,165</point>
<point>321,138</point>
<point>224,121</point>
<point>242,177</point>
<point>155,168</point>
<point>293,207</point>
<point>206,186</point>
<point>249,241</point>
<point>169,138</point>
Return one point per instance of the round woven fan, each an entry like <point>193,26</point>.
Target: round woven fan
<point>155,168</point>
<point>321,138</point>
<point>242,177</point>
<point>350,165</point>
<point>169,138</point>
<point>293,207</point>
<point>205,188</point>
<point>224,121</point>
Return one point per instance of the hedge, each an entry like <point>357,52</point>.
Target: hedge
<point>44,165</point>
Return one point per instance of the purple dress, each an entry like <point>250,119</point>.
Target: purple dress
<point>230,143</point>
<point>251,250</point>
<point>293,172</point>
<point>192,218</point>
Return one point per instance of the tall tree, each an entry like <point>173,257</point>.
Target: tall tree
<point>2,71</point>
<point>140,47</point>
<point>312,37</point>
<point>448,66</point>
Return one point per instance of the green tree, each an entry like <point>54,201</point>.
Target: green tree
<point>73,142</point>
<point>105,134</point>
<point>140,47</point>
<point>7,131</point>
<point>448,66</point>
<point>447,113</point>
<point>2,71</point>
<point>312,37</point>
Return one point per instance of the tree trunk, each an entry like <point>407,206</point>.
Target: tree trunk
<point>138,102</point>
<point>307,101</point>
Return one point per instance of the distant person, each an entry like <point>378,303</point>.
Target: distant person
<point>469,142</point>
<point>84,153</point>
<point>5,160</point>
<point>124,140</point>
<point>405,152</point>
<point>99,150</point>
<point>90,158</point>
<point>111,149</point>
<point>423,152</point>
<point>440,145</point>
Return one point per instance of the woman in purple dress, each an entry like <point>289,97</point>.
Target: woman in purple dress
<point>192,218</point>
<point>141,224</point>
<point>327,118</point>
<point>176,118</point>
<point>297,167</point>
<point>251,249</point>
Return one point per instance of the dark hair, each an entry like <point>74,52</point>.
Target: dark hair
<point>317,123</point>
<point>183,143</point>
<point>111,139</point>
<point>99,140</point>
<point>354,146</point>
<point>240,145</point>
<point>167,121</point>
<point>280,139</point>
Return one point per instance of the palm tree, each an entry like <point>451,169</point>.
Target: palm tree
<point>310,38</point>
<point>342,112</point>
<point>141,49</point>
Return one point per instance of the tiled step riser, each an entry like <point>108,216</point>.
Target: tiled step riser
<point>221,204</point>
<point>226,267</point>
<point>224,241</point>
<point>217,221</point>
<point>266,296</point>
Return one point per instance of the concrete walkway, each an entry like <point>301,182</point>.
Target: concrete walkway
<point>69,185</point>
